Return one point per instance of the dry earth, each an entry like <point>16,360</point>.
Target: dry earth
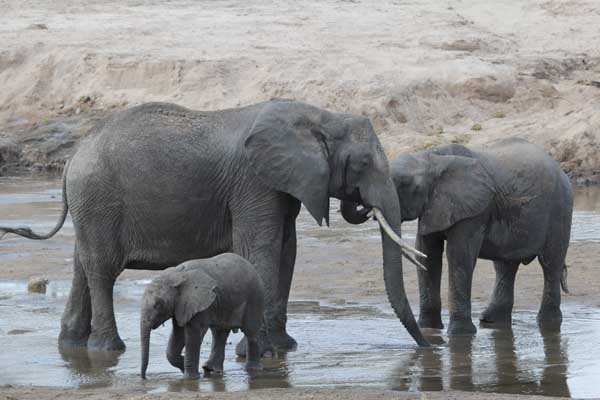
<point>425,72</point>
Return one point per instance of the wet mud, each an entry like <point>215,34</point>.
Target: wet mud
<point>344,341</point>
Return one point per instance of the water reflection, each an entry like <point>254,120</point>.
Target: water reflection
<point>275,374</point>
<point>499,366</point>
<point>90,368</point>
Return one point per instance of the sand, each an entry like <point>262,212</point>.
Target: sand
<point>425,72</point>
<point>262,394</point>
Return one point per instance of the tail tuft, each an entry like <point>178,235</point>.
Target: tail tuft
<point>563,279</point>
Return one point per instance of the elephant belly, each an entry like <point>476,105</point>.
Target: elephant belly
<point>174,241</point>
<point>512,241</point>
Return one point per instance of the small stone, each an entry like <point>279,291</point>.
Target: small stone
<point>37,285</point>
<point>476,127</point>
<point>38,26</point>
<point>499,114</point>
<point>437,131</point>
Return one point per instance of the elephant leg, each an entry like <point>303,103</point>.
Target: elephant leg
<point>104,336</point>
<point>76,322</point>
<point>194,335</point>
<point>463,245</point>
<point>430,315</point>
<point>253,351</point>
<point>99,267</point>
<point>549,314</point>
<point>258,237</point>
<point>553,264</point>
<point>278,334</point>
<point>217,353</point>
<point>175,346</point>
<point>499,310</point>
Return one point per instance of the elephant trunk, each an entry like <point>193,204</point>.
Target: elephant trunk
<point>392,261</point>
<point>145,330</point>
<point>352,214</point>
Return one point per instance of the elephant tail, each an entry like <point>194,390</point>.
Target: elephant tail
<point>28,233</point>
<point>563,279</point>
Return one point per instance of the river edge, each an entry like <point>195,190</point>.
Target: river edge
<point>40,148</point>
<point>9,392</point>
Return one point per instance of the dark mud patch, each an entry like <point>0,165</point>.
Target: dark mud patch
<point>18,331</point>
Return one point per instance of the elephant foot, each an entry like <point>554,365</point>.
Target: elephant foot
<point>431,320</point>
<point>176,361</point>
<point>253,366</point>
<point>98,342</point>
<point>282,341</point>
<point>191,376</point>
<point>549,317</point>
<point>461,327</point>
<point>496,316</point>
<point>265,347</point>
<point>213,368</point>
<point>72,340</point>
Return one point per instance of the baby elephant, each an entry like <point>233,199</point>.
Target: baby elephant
<point>222,293</point>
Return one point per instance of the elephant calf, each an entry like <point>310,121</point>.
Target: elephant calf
<point>509,203</point>
<point>222,293</point>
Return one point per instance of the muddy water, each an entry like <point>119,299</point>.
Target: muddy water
<point>339,346</point>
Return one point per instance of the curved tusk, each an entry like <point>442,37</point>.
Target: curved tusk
<point>407,250</point>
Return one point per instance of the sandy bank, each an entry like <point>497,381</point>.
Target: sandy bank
<point>425,72</point>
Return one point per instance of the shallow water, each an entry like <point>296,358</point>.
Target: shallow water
<point>339,348</point>
<point>338,345</point>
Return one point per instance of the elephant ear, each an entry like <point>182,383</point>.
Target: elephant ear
<point>287,151</point>
<point>462,189</point>
<point>197,292</point>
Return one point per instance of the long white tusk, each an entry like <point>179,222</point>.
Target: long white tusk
<point>407,250</point>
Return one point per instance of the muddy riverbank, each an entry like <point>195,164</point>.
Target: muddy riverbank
<point>349,338</point>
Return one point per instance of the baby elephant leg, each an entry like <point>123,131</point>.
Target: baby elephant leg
<point>194,334</point>
<point>175,346</point>
<point>214,365</point>
<point>253,354</point>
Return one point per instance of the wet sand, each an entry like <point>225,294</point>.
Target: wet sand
<point>262,394</point>
<point>339,313</point>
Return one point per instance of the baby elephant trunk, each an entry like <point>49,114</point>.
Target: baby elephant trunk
<point>145,335</point>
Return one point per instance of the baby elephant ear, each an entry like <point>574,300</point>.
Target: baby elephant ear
<point>286,149</point>
<point>463,189</point>
<point>197,292</point>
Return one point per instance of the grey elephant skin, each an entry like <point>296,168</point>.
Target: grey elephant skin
<point>159,184</point>
<point>509,203</point>
<point>222,293</point>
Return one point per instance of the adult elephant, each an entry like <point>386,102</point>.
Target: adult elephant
<point>509,203</point>
<point>160,184</point>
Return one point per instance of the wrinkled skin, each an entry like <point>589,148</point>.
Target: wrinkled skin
<point>159,184</point>
<point>221,293</point>
<point>509,203</point>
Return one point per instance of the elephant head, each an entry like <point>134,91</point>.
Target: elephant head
<point>178,295</point>
<point>441,190</point>
<point>313,154</point>
<point>438,188</point>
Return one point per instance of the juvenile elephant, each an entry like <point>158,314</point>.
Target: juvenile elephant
<point>222,293</point>
<point>159,184</point>
<point>509,203</point>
